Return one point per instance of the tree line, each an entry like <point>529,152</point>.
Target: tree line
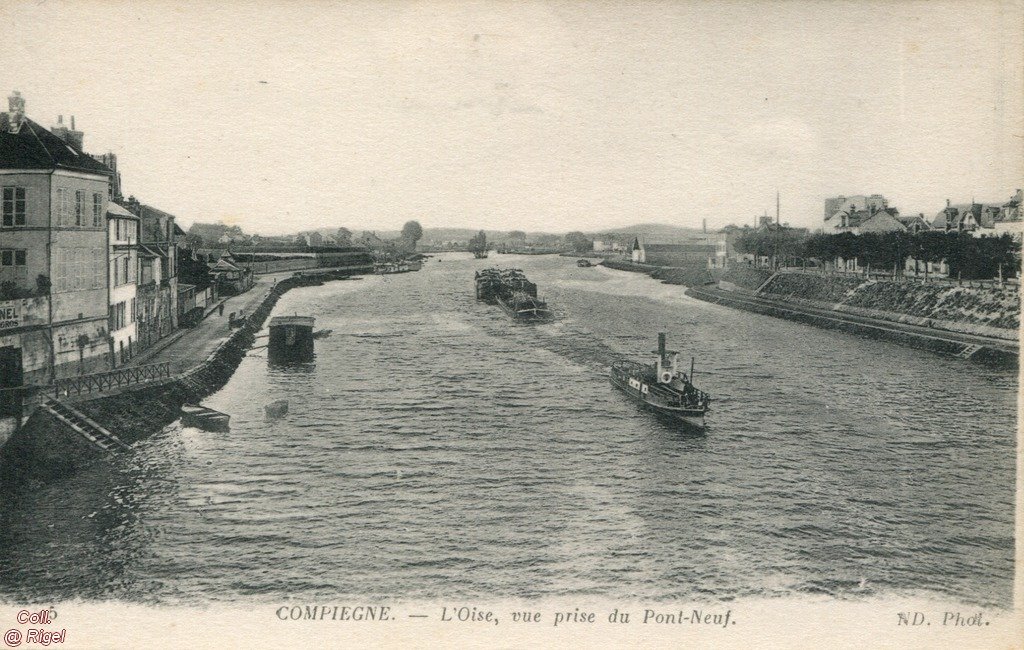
<point>967,257</point>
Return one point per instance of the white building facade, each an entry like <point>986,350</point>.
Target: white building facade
<point>123,278</point>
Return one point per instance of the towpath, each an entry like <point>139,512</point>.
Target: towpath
<point>188,347</point>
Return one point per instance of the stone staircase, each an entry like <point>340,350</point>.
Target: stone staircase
<point>83,426</point>
<point>764,284</point>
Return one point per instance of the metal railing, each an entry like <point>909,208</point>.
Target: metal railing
<point>110,380</point>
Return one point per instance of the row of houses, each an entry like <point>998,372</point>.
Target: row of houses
<point>861,214</point>
<point>88,279</point>
<point>856,214</point>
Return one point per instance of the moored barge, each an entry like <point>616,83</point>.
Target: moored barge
<point>662,387</point>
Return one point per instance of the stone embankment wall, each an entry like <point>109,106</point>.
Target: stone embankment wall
<point>744,277</point>
<point>988,311</point>
<point>44,449</point>
<point>693,275</point>
<point>987,355</point>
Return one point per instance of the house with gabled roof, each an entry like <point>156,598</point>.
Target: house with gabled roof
<point>53,252</point>
<point>914,223</point>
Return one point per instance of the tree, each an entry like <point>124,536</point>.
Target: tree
<point>517,236</point>
<point>412,232</point>
<point>578,242</point>
<point>478,242</point>
<point>344,237</point>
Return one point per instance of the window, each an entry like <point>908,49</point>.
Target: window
<point>13,267</point>
<point>97,210</point>
<point>123,264</point>
<point>80,207</point>
<point>79,269</point>
<point>11,257</point>
<point>118,316</point>
<point>132,316</point>
<point>117,229</point>
<point>63,207</point>
<point>13,207</point>
<point>61,279</point>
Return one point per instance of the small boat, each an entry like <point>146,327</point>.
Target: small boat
<point>276,409</point>
<point>322,334</point>
<point>387,268</point>
<point>207,419</point>
<point>583,263</point>
<point>663,388</point>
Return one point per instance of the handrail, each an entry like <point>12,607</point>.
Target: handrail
<point>105,381</point>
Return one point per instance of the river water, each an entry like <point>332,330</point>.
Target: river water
<point>435,448</point>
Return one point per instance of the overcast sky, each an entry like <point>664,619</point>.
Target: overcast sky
<point>280,116</point>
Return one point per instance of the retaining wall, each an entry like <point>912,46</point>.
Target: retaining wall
<point>990,311</point>
<point>988,355</point>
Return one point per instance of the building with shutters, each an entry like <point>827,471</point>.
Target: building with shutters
<point>53,252</point>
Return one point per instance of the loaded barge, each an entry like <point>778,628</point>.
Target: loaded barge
<point>663,388</point>
<point>510,290</point>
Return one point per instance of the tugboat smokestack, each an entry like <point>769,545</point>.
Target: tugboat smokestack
<point>661,344</point>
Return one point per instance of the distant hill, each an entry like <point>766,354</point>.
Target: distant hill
<point>653,231</point>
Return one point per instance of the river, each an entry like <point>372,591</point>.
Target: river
<point>435,448</point>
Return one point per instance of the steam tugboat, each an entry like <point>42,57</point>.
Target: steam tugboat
<point>662,387</point>
<point>510,290</point>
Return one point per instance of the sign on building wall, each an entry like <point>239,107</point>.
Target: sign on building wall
<point>10,315</point>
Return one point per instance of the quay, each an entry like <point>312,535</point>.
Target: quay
<point>989,350</point>
<point>752,290</point>
<point>63,433</point>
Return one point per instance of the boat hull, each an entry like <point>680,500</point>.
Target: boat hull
<point>691,418</point>
<point>530,315</point>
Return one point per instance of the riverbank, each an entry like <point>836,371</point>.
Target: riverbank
<point>44,448</point>
<point>968,322</point>
<point>694,275</point>
<point>995,352</point>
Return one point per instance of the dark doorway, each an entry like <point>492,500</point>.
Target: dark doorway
<point>11,380</point>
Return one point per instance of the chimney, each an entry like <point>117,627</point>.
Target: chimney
<point>661,345</point>
<point>59,129</point>
<point>705,226</point>
<point>75,137</point>
<point>16,112</point>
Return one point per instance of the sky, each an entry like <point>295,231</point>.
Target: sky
<point>539,116</point>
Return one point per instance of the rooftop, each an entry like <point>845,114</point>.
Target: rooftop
<point>35,147</point>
